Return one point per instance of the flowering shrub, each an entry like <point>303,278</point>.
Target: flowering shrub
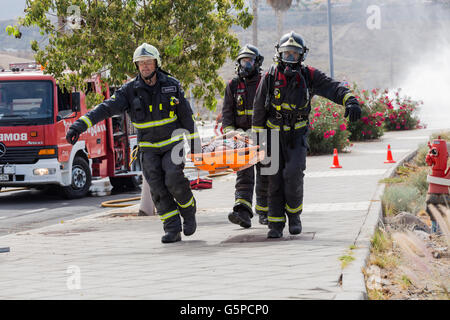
<point>372,115</point>
<point>328,127</point>
<point>400,112</point>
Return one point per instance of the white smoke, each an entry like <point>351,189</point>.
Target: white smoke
<point>428,79</point>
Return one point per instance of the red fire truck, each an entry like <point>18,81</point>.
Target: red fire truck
<point>35,114</point>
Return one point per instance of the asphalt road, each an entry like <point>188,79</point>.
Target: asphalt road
<point>30,209</point>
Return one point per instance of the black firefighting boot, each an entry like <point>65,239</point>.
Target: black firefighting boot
<point>263,218</point>
<point>242,217</point>
<point>189,222</point>
<point>170,237</point>
<point>172,227</point>
<point>275,229</point>
<point>295,225</point>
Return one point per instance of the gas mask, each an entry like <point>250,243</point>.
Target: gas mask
<point>291,63</point>
<point>246,68</point>
<point>290,70</point>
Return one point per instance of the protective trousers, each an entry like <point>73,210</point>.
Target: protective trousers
<point>170,189</point>
<point>286,186</point>
<point>245,184</point>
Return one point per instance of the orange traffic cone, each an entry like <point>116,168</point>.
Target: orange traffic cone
<point>335,160</point>
<point>389,155</point>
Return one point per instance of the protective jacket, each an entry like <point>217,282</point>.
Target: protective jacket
<point>237,108</point>
<point>156,111</point>
<point>283,102</point>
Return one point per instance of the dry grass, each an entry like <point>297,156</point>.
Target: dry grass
<point>408,267</point>
<point>381,250</point>
<point>412,267</point>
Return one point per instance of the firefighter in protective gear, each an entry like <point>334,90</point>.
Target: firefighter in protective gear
<point>157,107</point>
<point>282,106</point>
<point>237,114</point>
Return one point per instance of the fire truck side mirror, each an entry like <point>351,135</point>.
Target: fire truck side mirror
<point>76,102</point>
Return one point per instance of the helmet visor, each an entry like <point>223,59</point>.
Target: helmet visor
<point>247,62</point>
<point>290,56</point>
<point>144,60</point>
<point>297,49</point>
<point>245,55</point>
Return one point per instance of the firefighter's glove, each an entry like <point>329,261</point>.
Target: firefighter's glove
<point>73,134</point>
<point>353,111</point>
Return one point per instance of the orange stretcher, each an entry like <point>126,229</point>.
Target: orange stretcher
<point>224,160</point>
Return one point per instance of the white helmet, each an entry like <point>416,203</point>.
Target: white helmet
<point>145,51</point>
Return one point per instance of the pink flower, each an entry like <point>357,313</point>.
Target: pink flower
<point>343,127</point>
<point>317,114</point>
<point>316,108</point>
<point>332,133</point>
<point>326,135</point>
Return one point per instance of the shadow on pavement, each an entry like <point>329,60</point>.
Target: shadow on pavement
<point>263,238</point>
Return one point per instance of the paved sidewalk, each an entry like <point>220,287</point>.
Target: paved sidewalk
<point>105,257</point>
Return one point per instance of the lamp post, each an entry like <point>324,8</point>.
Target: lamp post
<point>330,40</point>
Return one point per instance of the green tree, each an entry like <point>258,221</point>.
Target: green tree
<point>193,37</point>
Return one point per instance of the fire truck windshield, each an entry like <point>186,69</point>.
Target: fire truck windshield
<point>26,102</point>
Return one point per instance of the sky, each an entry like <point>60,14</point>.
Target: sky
<point>11,9</point>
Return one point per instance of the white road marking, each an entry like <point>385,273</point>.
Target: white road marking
<point>411,138</point>
<point>341,206</point>
<point>37,210</point>
<point>314,207</point>
<point>382,151</point>
<point>344,173</point>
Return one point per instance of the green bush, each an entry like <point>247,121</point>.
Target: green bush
<point>422,152</point>
<point>400,112</point>
<point>328,127</point>
<point>398,198</point>
<point>419,181</point>
<point>372,115</point>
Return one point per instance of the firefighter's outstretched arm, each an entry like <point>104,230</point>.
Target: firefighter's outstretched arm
<point>186,117</point>
<point>334,90</point>
<point>117,104</point>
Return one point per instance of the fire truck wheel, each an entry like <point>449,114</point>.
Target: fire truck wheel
<point>81,180</point>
